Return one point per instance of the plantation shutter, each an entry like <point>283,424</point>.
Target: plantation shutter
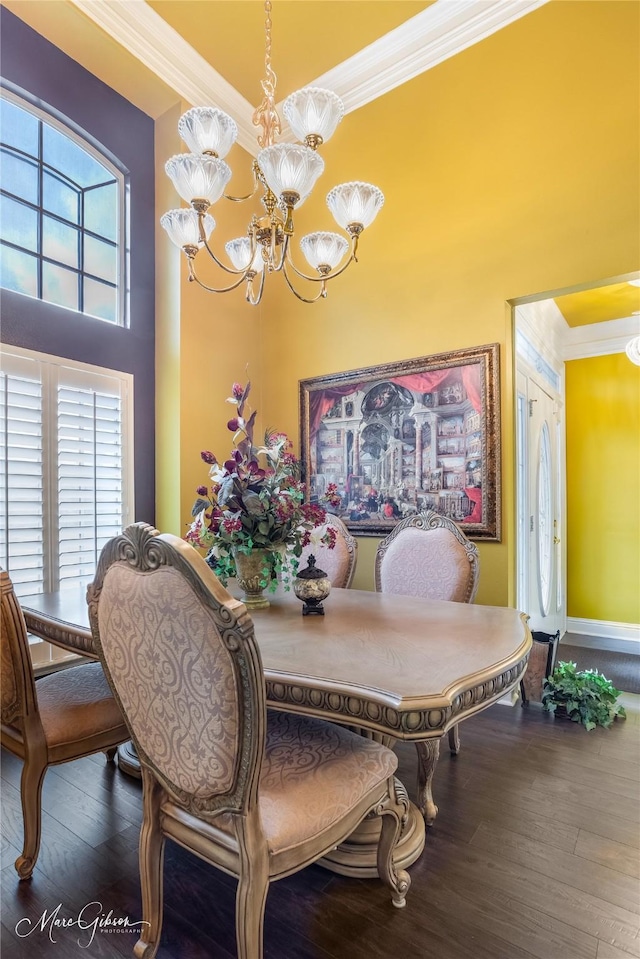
<point>22,512</point>
<point>90,483</point>
<point>66,468</point>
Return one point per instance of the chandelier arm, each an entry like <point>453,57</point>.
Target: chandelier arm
<point>193,277</point>
<point>255,300</point>
<point>277,267</point>
<point>329,276</point>
<point>241,199</point>
<point>322,292</point>
<point>256,183</point>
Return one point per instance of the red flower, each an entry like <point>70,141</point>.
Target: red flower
<point>202,490</point>
<point>237,390</point>
<point>232,525</point>
<point>208,457</point>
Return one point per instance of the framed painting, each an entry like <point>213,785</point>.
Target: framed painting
<point>403,437</point>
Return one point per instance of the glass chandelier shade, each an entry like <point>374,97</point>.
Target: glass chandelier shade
<point>355,204</point>
<point>208,130</point>
<point>239,252</point>
<point>313,112</point>
<point>324,249</point>
<point>183,228</point>
<point>632,350</point>
<point>284,175</point>
<point>290,168</point>
<point>198,177</point>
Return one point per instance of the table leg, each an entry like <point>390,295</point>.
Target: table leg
<point>428,752</point>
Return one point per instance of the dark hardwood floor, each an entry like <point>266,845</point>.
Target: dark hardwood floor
<point>535,853</point>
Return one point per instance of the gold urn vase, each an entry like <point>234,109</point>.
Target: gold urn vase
<point>254,572</point>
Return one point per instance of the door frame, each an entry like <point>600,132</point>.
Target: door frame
<point>537,353</point>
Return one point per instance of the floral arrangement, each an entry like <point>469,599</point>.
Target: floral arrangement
<point>250,506</point>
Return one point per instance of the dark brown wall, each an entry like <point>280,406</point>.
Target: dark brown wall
<point>39,71</point>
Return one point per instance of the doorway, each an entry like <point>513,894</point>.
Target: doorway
<point>540,488</point>
<point>540,481</point>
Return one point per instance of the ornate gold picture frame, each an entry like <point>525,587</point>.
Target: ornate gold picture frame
<point>402,437</point>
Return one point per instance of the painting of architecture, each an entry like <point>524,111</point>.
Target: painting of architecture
<point>401,438</point>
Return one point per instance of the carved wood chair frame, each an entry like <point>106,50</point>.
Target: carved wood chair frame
<point>23,733</point>
<point>169,811</point>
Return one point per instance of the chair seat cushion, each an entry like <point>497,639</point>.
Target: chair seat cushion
<point>313,773</point>
<point>76,704</point>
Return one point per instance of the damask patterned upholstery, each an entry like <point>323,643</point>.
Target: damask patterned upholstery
<point>259,794</point>
<point>176,687</point>
<point>432,564</point>
<point>313,773</point>
<point>338,563</point>
<point>78,699</point>
<point>64,716</point>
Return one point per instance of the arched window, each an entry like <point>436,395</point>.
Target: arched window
<point>61,215</point>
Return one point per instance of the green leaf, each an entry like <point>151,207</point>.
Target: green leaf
<point>589,697</point>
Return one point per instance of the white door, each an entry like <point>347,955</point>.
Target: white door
<point>541,549</point>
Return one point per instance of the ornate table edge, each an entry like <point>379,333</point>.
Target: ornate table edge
<point>70,636</point>
<point>429,718</point>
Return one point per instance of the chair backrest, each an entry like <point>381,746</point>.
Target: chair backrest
<point>338,563</point>
<point>428,555</point>
<point>181,658</point>
<point>18,691</point>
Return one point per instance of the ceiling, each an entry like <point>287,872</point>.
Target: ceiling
<point>162,52</point>
<point>231,35</point>
<point>613,302</point>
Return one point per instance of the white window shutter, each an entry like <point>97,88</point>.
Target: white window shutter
<point>65,469</point>
<point>90,474</point>
<point>22,493</point>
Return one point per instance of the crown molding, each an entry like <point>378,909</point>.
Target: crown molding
<point>143,32</point>
<point>599,339</point>
<point>442,30</point>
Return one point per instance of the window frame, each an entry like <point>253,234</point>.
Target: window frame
<point>68,130</point>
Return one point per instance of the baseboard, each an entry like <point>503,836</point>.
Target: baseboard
<point>599,634</point>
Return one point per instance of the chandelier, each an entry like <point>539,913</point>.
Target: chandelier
<point>285,174</point>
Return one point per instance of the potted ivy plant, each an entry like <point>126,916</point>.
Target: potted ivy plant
<point>584,696</point>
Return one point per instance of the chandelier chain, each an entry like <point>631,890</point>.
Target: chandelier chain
<point>266,114</point>
<point>270,79</point>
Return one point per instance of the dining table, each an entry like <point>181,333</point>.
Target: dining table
<point>395,668</point>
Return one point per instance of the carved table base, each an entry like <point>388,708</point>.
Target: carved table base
<point>358,855</point>
<point>128,760</point>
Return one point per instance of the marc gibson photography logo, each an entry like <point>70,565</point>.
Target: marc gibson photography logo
<point>88,921</point>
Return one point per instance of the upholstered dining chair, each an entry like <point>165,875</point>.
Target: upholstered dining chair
<point>63,716</point>
<point>428,555</point>
<point>338,563</point>
<point>259,794</point>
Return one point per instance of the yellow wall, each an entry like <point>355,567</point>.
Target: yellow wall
<point>509,170</point>
<point>603,489</point>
